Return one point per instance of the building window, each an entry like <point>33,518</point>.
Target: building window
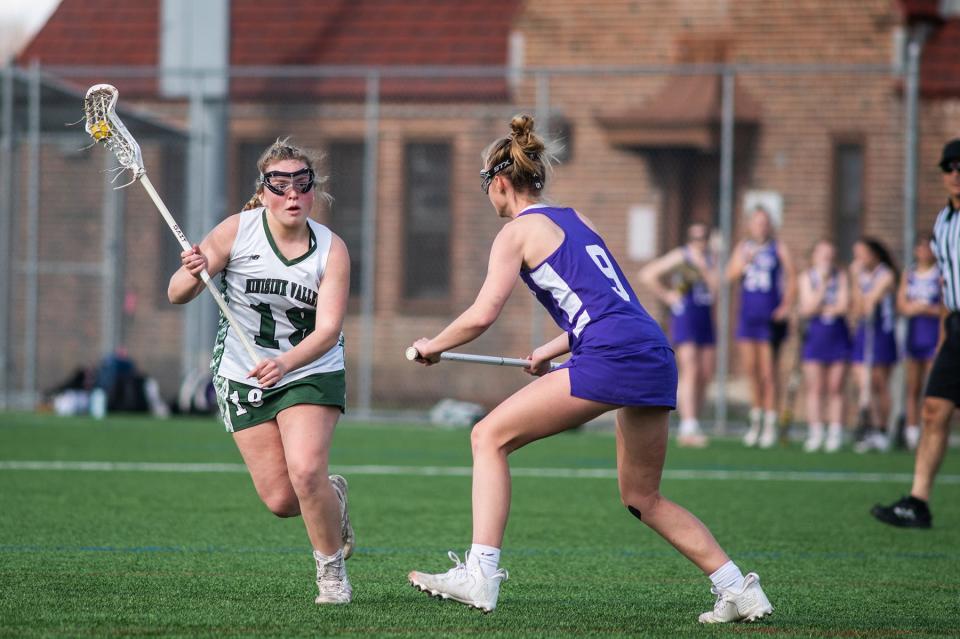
<point>345,162</point>
<point>848,200</point>
<point>427,220</point>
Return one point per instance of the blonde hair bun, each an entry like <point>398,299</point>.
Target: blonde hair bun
<point>521,127</point>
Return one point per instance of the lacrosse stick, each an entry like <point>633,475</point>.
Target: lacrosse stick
<point>104,126</point>
<point>413,354</point>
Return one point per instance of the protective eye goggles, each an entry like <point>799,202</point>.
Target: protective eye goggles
<point>279,182</point>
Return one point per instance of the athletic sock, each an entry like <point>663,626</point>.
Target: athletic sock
<point>728,577</point>
<point>836,428</point>
<point>322,559</point>
<point>770,420</point>
<point>487,557</point>
<point>816,429</point>
<point>319,556</point>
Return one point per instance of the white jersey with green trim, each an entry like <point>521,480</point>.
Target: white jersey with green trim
<point>272,298</point>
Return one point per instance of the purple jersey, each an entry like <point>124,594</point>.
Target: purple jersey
<point>883,320</point>
<point>586,293</point>
<point>923,331</point>
<point>692,318</point>
<point>760,288</point>
<point>619,355</point>
<point>760,292</point>
<point>827,339</point>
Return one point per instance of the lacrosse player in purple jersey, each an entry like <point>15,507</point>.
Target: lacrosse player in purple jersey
<point>279,268</point>
<point>824,301</point>
<point>764,269</point>
<point>919,300</point>
<point>620,360</point>
<point>691,273</point>
<point>873,281</point>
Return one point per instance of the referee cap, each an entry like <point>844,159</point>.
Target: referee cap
<point>951,151</point>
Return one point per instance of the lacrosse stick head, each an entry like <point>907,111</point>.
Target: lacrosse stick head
<point>105,127</point>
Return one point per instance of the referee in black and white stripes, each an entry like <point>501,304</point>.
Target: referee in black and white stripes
<point>943,386</point>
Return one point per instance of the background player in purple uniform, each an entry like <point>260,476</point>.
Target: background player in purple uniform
<point>919,300</point>
<point>764,269</point>
<point>619,361</point>
<point>873,277</point>
<point>691,272</point>
<point>824,300</point>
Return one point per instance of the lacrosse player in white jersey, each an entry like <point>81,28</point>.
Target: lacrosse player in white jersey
<point>279,267</point>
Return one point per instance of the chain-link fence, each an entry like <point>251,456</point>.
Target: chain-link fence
<point>646,152</point>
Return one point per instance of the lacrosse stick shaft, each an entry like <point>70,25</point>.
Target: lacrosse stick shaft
<point>413,354</point>
<point>207,280</point>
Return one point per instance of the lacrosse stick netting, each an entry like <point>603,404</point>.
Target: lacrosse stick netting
<point>105,127</point>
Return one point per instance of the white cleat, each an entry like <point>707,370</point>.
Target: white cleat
<point>814,441</point>
<point>753,434</point>
<point>880,441</point>
<point>834,440</point>
<point>346,530</point>
<point>692,440</point>
<point>462,583</point>
<point>769,437</point>
<point>749,604</point>
<point>332,581</point>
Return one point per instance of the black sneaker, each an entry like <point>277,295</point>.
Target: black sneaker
<point>908,512</point>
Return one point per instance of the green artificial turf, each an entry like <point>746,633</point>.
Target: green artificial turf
<point>194,554</point>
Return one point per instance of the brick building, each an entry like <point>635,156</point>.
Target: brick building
<point>632,87</point>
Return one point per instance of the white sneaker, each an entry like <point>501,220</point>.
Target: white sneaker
<point>462,583</point>
<point>769,436</point>
<point>864,445</point>
<point>332,579</point>
<point>880,441</point>
<point>753,434</point>
<point>814,440</point>
<point>692,440</point>
<point>749,604</point>
<point>834,440</point>
<point>346,530</point>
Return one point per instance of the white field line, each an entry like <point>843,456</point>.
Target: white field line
<point>465,471</point>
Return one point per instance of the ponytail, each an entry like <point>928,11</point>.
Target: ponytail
<point>254,202</point>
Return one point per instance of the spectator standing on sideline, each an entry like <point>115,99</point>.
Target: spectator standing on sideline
<point>919,300</point>
<point>692,271</point>
<point>764,268</point>
<point>873,277</point>
<point>943,386</point>
<point>824,300</point>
